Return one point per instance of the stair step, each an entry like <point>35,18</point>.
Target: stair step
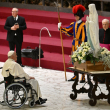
<point>47,43</point>
<point>34,28</point>
<point>50,60</point>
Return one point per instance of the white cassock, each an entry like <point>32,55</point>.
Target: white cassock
<point>17,71</point>
<point>92,29</point>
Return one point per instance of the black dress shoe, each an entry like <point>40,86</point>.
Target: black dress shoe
<point>39,102</point>
<point>22,65</point>
<point>42,99</point>
<point>71,80</point>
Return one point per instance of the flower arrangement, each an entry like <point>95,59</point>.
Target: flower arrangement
<point>84,53</point>
<point>104,56</point>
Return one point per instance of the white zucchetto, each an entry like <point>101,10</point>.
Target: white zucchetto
<point>10,53</point>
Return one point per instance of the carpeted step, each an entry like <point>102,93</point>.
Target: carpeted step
<point>34,28</point>
<point>38,15</point>
<point>44,16</point>
<point>50,60</point>
<point>36,20</point>
<point>49,44</point>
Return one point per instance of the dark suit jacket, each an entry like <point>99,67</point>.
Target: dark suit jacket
<point>104,36</point>
<point>19,32</point>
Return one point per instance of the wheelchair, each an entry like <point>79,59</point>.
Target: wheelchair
<point>16,92</point>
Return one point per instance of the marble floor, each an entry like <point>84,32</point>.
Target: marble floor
<point>57,90</point>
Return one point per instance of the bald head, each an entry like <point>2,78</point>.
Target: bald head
<point>105,24</point>
<point>14,12</point>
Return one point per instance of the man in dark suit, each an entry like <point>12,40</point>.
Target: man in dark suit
<point>104,38</point>
<point>15,25</point>
<point>104,34</point>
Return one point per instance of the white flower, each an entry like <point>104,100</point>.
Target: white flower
<point>84,50</point>
<point>80,51</point>
<point>83,54</point>
<point>75,59</point>
<point>83,61</point>
<point>86,43</point>
<point>82,44</point>
<point>105,51</point>
<point>81,58</point>
<point>108,52</point>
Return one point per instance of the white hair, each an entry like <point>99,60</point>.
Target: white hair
<point>105,20</point>
<point>15,8</point>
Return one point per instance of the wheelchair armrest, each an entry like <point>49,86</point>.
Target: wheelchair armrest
<point>19,79</point>
<point>2,82</point>
<point>1,67</point>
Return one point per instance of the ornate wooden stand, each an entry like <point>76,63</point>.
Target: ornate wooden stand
<point>92,88</point>
<point>94,97</point>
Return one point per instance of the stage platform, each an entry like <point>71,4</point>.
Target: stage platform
<point>35,20</point>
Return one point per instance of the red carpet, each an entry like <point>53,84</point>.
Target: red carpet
<point>35,20</point>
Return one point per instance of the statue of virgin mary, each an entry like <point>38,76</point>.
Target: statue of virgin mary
<point>92,29</point>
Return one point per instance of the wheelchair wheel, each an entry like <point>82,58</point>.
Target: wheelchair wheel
<point>31,103</point>
<point>2,88</point>
<point>15,95</point>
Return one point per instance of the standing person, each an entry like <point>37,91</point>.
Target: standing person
<point>104,34</point>
<point>15,25</point>
<point>104,38</point>
<point>77,30</point>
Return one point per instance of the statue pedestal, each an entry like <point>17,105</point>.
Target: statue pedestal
<point>88,66</point>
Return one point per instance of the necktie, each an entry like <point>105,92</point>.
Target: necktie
<point>14,18</point>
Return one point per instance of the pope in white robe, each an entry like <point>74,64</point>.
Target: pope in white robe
<point>17,71</point>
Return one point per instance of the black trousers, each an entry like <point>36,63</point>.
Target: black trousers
<point>18,45</point>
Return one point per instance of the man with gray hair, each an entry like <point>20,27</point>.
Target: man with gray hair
<point>10,67</point>
<point>15,25</point>
<point>104,34</point>
<point>104,39</point>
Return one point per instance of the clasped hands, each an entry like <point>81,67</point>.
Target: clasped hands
<point>15,27</point>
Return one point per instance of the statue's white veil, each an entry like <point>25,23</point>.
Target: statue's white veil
<point>92,28</point>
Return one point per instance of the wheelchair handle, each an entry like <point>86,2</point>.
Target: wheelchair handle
<point>2,82</point>
<point>1,67</point>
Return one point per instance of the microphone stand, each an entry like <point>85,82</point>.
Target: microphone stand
<point>40,44</point>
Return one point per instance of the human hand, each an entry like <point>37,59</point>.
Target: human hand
<point>13,28</point>
<point>16,26</point>
<point>59,25</point>
<point>32,77</point>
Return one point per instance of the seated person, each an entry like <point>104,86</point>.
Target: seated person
<point>17,71</point>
